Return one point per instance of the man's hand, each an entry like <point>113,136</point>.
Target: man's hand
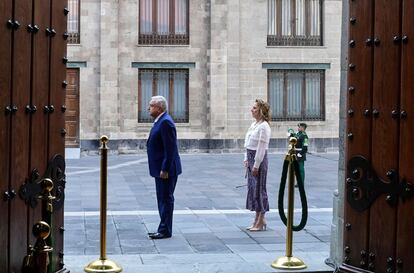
<point>255,171</point>
<point>164,175</point>
<point>246,163</point>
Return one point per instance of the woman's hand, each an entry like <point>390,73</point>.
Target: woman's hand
<point>255,171</point>
<point>246,163</point>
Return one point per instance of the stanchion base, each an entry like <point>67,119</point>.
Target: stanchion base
<point>288,263</point>
<point>102,266</point>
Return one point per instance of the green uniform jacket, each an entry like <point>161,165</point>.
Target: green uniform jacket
<point>302,145</point>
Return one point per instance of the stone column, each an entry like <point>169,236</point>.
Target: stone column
<point>339,195</point>
<point>218,68</point>
<point>224,66</point>
<point>235,114</point>
<point>109,76</point>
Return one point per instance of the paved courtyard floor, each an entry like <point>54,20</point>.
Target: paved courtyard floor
<point>209,218</point>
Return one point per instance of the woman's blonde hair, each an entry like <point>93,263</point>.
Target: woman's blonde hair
<point>264,108</point>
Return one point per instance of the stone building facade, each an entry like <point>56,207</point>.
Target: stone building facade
<point>228,59</point>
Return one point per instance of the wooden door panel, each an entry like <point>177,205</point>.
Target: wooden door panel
<point>20,122</point>
<point>72,79</point>
<point>39,98</point>
<point>25,142</point>
<point>390,223</point>
<point>71,129</point>
<point>359,119</point>
<point>5,65</point>
<point>72,105</point>
<point>57,77</point>
<point>385,128</point>
<point>72,111</point>
<point>57,119</point>
<point>405,225</point>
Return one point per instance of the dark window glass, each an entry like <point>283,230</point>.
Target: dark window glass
<point>170,83</point>
<point>296,94</point>
<point>73,22</point>
<point>294,23</point>
<point>163,22</point>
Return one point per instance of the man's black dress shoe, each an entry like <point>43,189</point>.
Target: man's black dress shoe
<point>158,235</point>
<point>151,233</point>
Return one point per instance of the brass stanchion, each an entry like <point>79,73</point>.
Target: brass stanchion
<point>288,261</point>
<point>103,264</point>
<point>37,259</point>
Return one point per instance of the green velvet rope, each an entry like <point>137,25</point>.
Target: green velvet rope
<point>302,194</point>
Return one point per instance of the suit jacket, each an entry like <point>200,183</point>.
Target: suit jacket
<point>162,148</point>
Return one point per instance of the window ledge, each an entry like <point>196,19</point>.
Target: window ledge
<point>149,125</point>
<point>144,125</point>
<point>180,46</point>
<point>301,47</point>
<point>182,124</point>
<point>292,123</point>
<point>296,66</point>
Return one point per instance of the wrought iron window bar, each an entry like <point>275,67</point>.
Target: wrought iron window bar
<point>143,117</point>
<point>275,40</point>
<point>74,38</point>
<point>164,39</point>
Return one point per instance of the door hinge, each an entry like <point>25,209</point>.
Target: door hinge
<point>363,186</point>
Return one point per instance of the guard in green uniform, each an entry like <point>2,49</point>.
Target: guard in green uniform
<point>302,148</point>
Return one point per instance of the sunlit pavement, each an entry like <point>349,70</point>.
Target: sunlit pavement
<point>209,219</point>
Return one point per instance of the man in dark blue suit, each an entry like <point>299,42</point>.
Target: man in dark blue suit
<point>164,163</point>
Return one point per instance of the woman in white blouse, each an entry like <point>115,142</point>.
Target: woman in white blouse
<point>255,160</point>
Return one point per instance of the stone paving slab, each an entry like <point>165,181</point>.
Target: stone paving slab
<point>247,262</point>
<point>202,182</point>
<point>209,219</point>
<point>259,248</point>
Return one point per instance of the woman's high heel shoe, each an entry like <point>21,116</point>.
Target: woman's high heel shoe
<point>253,224</point>
<point>262,228</point>
<point>249,228</point>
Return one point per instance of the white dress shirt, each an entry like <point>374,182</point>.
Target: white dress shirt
<point>257,138</point>
<point>158,117</point>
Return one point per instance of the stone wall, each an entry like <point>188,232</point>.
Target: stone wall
<point>339,196</point>
<point>122,146</point>
<point>228,48</point>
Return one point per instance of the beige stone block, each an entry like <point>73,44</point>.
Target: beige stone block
<point>226,80</point>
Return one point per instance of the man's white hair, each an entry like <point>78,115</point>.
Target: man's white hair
<point>161,101</point>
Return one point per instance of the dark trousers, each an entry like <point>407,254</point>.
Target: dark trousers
<point>165,199</point>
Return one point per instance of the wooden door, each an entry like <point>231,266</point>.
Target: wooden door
<point>72,108</point>
<point>5,100</point>
<point>19,128</point>
<point>32,92</point>
<point>378,224</point>
<point>405,225</point>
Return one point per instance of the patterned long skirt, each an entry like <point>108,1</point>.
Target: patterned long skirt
<point>256,185</point>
